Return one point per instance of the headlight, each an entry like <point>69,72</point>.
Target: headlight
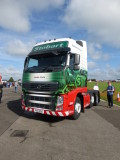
<point>60,100</point>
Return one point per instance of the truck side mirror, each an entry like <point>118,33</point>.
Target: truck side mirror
<point>77,59</point>
<point>77,62</point>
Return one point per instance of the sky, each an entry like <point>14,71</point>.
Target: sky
<point>26,22</point>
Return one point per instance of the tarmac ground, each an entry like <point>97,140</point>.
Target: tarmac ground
<point>28,136</point>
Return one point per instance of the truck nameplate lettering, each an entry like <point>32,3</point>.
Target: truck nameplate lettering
<point>50,46</point>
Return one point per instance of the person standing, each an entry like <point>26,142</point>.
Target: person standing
<point>16,86</point>
<point>110,90</point>
<point>96,87</point>
<point>1,86</point>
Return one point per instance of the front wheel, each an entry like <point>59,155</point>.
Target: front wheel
<point>77,108</point>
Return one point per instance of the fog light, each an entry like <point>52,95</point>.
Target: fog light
<point>59,108</point>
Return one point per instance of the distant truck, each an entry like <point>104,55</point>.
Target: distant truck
<point>54,79</point>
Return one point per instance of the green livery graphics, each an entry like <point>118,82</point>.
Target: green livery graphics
<point>67,79</point>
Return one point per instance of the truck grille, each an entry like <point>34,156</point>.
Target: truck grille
<point>45,87</point>
<point>40,101</point>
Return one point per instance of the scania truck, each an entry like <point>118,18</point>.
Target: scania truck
<point>54,79</point>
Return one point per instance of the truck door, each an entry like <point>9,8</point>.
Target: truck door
<point>71,75</point>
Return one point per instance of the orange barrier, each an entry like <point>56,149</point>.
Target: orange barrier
<point>118,97</point>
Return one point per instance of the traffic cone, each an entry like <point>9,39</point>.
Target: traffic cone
<point>118,97</point>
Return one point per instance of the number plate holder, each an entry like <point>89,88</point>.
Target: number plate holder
<point>38,110</point>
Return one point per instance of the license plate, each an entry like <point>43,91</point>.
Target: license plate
<point>38,110</point>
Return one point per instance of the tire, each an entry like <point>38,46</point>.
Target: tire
<point>92,100</point>
<point>77,109</point>
<point>96,100</point>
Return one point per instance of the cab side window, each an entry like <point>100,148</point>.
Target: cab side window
<point>72,59</point>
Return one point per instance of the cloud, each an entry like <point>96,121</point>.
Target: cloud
<point>101,19</point>
<point>10,71</point>
<point>19,48</point>
<point>43,36</point>
<point>95,52</point>
<point>14,15</point>
<point>108,73</point>
<point>92,65</point>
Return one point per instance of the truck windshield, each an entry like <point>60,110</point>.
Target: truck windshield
<point>46,63</point>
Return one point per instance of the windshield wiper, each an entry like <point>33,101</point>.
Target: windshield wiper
<point>34,68</point>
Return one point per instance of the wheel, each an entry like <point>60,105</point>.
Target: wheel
<point>96,100</point>
<point>77,108</point>
<point>92,99</point>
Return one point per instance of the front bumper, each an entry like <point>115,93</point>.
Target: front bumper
<point>45,111</point>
